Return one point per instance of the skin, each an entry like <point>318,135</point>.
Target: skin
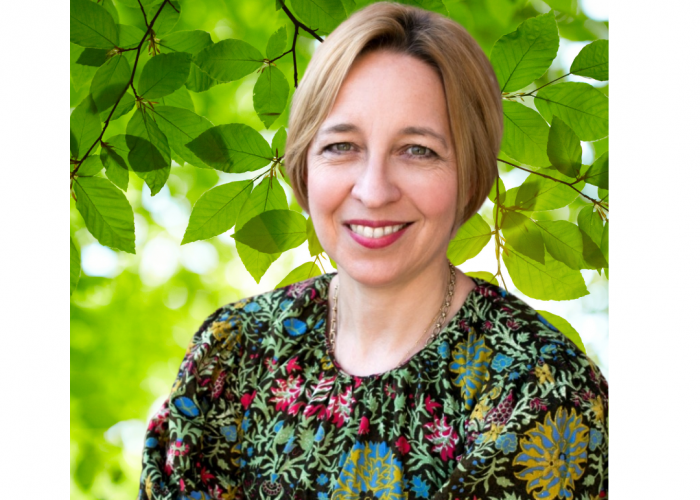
<point>373,168</point>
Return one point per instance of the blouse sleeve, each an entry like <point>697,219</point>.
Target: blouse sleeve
<point>544,438</point>
<point>190,447</point>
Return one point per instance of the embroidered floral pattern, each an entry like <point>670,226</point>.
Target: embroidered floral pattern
<point>499,406</point>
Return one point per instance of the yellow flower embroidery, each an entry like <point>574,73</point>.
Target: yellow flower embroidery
<point>480,411</point>
<point>554,455</point>
<point>598,409</point>
<point>149,487</point>
<point>493,433</point>
<point>470,362</point>
<point>221,329</point>
<point>543,374</point>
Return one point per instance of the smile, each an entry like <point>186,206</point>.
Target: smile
<point>375,232</point>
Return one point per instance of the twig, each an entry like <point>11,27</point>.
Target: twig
<point>498,238</point>
<point>294,54</point>
<point>507,95</point>
<point>599,203</point>
<point>298,23</point>
<point>131,83</point>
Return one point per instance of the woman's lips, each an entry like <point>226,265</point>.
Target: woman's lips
<point>376,234</point>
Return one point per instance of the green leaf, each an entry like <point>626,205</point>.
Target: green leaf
<point>164,74</point>
<point>85,127</point>
<point>110,81</point>
<point>74,266</point>
<point>501,190</point>
<point>604,242</point>
<point>270,95</point>
<point>592,61</point>
<point>278,142</point>
<point>92,26</point>
<point>564,148</point>
<point>274,231</point>
<point>192,42</point>
<point>181,98</point>
<point>324,15</point>
<point>229,60</point>
<point>217,210</point>
<point>433,5</point>
<point>564,242</point>
<point>114,161</point>
<point>93,57</point>
<point>80,75</point>
<point>524,134</point>
<point>564,327</point>
<point>470,239</point>
<point>181,126</point>
<point>594,238</point>
<point>521,57</point>
<point>167,19</point>
<point>539,193</point>
<point>315,247</point>
<point>256,263</point>
<point>106,211</point>
<point>567,6</point>
<point>108,5</point>
<point>129,36</point>
<point>91,166</point>
<point>126,104</point>
<point>303,272</point>
<point>523,235</point>
<point>155,179</point>
<point>277,43</point>
<point>268,195</point>
<point>590,223</point>
<point>199,81</point>
<point>597,174</point>
<point>549,281</point>
<point>484,275</point>
<point>232,148</point>
<point>581,106</point>
<point>148,147</point>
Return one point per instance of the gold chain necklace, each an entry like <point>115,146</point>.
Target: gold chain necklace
<point>438,321</point>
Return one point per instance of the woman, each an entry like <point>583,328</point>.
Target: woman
<point>397,377</point>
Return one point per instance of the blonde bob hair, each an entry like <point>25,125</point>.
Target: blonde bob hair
<point>471,89</point>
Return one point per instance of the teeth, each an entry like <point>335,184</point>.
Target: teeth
<point>375,232</point>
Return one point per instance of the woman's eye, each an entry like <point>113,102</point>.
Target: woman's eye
<point>419,151</point>
<point>339,147</point>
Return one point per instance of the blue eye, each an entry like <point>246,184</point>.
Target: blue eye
<point>417,151</point>
<point>338,147</point>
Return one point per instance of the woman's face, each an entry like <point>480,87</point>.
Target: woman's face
<point>382,176</point>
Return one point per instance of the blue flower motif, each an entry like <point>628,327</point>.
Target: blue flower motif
<point>322,479</point>
<point>444,349</point>
<point>229,432</point>
<point>420,487</point>
<point>151,443</point>
<point>320,324</point>
<point>322,496</point>
<point>370,467</point>
<point>547,323</point>
<point>501,362</point>
<point>186,406</point>
<point>196,495</point>
<point>514,375</point>
<point>320,434</point>
<point>279,425</point>
<point>252,307</point>
<point>294,327</point>
<point>596,437</point>
<point>507,443</point>
<point>245,424</point>
<point>289,446</point>
<point>570,352</point>
<point>548,349</point>
<point>274,476</point>
<point>470,362</point>
<point>250,451</point>
<point>284,305</point>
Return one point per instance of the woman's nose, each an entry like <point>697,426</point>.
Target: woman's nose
<point>375,186</point>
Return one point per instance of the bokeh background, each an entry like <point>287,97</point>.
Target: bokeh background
<point>132,316</point>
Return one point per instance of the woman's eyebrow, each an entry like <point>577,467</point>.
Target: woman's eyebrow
<point>338,128</point>
<point>423,131</point>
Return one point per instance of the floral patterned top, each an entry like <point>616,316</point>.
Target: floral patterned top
<point>499,406</point>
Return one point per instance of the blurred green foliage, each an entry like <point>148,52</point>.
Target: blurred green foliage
<point>129,331</point>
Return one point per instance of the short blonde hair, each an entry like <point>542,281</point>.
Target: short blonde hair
<point>471,90</point>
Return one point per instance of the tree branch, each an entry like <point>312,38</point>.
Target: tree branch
<point>599,203</point>
<point>510,96</point>
<point>498,238</point>
<point>298,23</point>
<point>131,83</point>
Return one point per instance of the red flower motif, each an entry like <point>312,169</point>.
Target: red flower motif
<point>246,399</point>
<point>513,325</point>
<point>292,365</point>
<point>403,445</point>
<point>443,437</point>
<point>286,392</point>
<point>488,325</point>
<point>340,407</point>
<point>431,405</point>
<point>270,364</point>
<point>364,426</point>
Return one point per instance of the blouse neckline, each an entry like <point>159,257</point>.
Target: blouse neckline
<point>322,331</point>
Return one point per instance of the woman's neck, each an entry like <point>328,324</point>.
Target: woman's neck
<point>378,327</point>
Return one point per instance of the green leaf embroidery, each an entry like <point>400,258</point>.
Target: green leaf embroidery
<point>106,211</point>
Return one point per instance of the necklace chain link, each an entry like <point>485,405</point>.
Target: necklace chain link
<point>437,322</point>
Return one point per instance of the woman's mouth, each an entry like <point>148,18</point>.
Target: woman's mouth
<point>376,234</point>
